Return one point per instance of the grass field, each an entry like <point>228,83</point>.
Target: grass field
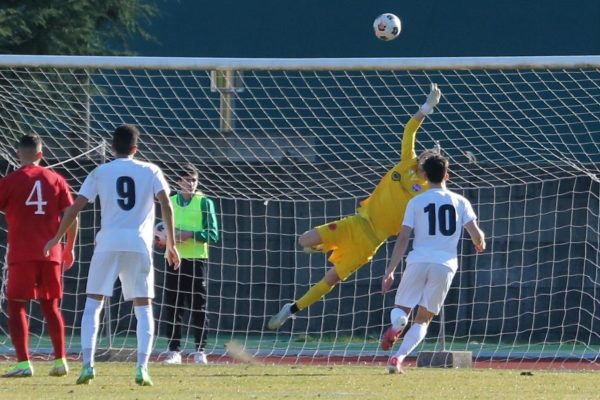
<point>242,381</point>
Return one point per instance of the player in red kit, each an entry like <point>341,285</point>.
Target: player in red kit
<point>33,199</point>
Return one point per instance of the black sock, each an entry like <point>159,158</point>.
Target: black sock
<point>294,308</point>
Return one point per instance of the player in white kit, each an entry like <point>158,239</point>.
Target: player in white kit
<point>127,189</point>
<point>436,217</point>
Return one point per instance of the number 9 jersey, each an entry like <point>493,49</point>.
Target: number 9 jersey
<point>33,199</point>
<point>126,188</point>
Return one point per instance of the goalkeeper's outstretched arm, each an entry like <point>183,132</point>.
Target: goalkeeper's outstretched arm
<point>410,130</point>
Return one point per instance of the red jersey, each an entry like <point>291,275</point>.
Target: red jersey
<point>33,199</point>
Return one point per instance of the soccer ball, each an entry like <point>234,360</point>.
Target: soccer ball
<point>387,27</point>
<point>159,233</point>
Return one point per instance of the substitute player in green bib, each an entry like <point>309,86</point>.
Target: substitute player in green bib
<point>354,240</point>
<point>195,227</point>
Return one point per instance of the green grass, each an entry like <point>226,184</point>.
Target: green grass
<point>326,344</point>
<point>237,381</point>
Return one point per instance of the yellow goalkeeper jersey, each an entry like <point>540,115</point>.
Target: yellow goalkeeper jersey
<point>384,208</point>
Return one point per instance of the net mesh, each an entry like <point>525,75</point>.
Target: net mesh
<point>281,151</point>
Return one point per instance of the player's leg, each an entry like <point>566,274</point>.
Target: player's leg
<point>101,278</point>
<point>19,334</point>
<point>20,289</point>
<point>137,281</point>
<point>90,325</point>
<point>144,333</point>
<point>314,294</point>
<point>412,338</point>
<point>18,326</point>
<point>408,295</point>
<point>437,284</point>
<point>49,294</point>
<point>174,296</point>
<point>398,321</point>
<point>317,291</point>
<point>352,244</point>
<point>311,241</point>
<point>56,330</point>
<point>198,311</point>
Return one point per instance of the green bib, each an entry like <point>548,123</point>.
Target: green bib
<point>189,218</point>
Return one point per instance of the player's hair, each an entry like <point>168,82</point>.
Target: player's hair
<point>125,139</point>
<point>436,168</point>
<point>188,169</point>
<point>30,141</point>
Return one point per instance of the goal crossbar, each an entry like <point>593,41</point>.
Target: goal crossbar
<point>300,64</point>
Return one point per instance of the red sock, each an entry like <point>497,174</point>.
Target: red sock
<point>19,330</point>
<point>56,326</point>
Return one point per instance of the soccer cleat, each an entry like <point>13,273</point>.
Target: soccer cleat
<point>88,373</point>
<point>60,368</point>
<point>394,366</point>
<point>283,315</point>
<point>142,377</point>
<point>390,336</point>
<point>173,358</point>
<point>23,369</point>
<point>200,358</point>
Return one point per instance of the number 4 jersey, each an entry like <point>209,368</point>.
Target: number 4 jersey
<point>437,217</point>
<point>33,199</point>
<point>126,188</point>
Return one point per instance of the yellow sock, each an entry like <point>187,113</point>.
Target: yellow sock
<point>313,295</point>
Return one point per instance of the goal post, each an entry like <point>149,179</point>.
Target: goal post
<point>283,145</point>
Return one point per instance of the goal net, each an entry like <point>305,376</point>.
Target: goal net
<point>285,145</point>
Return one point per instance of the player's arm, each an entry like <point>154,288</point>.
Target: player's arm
<point>166,209</point>
<point>411,128</point>
<point>399,250</point>
<point>210,234</point>
<point>477,235</point>
<point>67,220</point>
<point>210,227</point>
<point>68,255</point>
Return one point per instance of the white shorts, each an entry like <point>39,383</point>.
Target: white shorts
<point>424,284</point>
<point>134,270</point>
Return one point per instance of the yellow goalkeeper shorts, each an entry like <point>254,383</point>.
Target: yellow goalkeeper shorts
<point>351,241</point>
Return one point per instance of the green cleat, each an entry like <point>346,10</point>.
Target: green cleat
<point>88,373</point>
<point>60,368</point>
<point>23,369</point>
<point>142,377</point>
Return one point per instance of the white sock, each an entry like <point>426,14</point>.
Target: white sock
<point>90,324</point>
<point>398,318</point>
<point>145,333</point>
<point>412,338</point>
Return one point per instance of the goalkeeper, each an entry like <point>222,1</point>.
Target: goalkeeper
<point>354,240</point>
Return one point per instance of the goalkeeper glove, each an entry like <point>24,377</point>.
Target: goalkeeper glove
<point>433,98</point>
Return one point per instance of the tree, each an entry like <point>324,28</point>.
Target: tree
<point>72,27</point>
<point>34,98</point>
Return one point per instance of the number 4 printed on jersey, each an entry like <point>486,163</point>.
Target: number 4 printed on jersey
<point>36,193</point>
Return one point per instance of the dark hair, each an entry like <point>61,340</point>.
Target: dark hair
<point>435,167</point>
<point>30,141</point>
<point>188,169</point>
<point>125,139</point>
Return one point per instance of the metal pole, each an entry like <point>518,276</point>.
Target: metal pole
<point>226,111</point>
<point>442,334</point>
<point>107,313</point>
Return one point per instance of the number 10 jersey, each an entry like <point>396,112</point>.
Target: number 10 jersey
<point>437,217</point>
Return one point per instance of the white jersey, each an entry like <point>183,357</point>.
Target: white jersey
<point>126,188</point>
<point>437,217</point>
